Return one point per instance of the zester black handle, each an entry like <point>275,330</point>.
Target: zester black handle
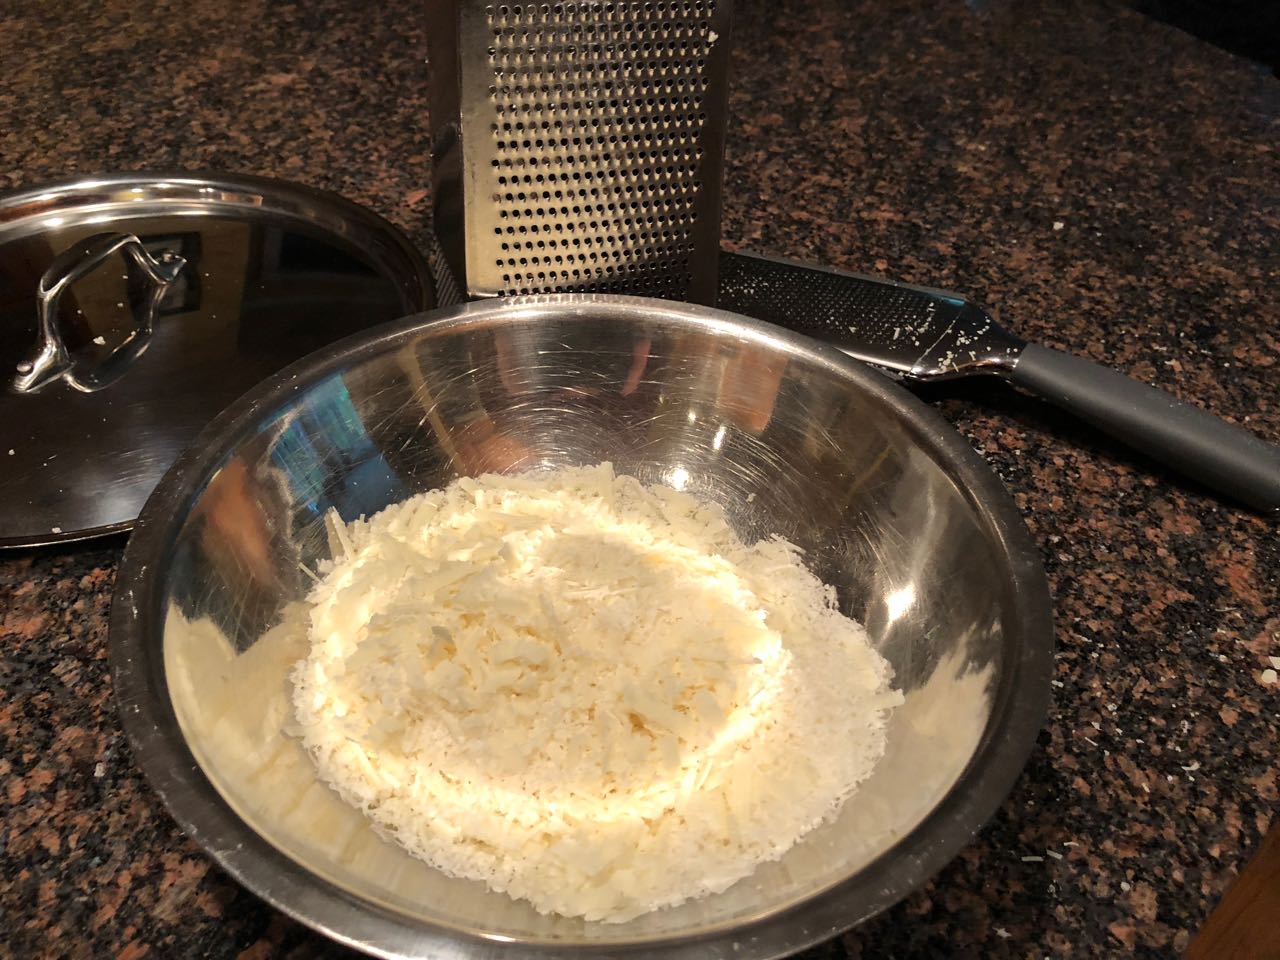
<point>1184,437</point>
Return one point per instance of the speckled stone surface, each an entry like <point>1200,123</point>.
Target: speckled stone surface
<point>1109,185</point>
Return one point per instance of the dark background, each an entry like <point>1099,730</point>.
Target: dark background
<point>1250,28</point>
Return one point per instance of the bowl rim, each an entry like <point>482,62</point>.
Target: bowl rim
<point>161,751</point>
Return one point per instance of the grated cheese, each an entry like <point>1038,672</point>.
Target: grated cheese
<point>586,693</point>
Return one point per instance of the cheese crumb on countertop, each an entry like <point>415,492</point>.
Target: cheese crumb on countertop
<point>586,693</point>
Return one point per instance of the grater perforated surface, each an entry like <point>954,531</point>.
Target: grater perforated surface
<point>592,136</point>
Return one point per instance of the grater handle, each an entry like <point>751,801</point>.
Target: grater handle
<point>1192,441</point>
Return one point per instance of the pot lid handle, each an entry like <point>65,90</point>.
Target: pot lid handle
<point>50,359</point>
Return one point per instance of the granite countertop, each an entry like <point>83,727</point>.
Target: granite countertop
<point>1109,185</point>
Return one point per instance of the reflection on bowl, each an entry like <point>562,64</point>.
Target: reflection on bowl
<point>791,438</point>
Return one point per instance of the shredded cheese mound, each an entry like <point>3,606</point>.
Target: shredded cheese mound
<point>585,692</point>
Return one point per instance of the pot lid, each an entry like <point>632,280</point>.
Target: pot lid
<point>134,307</point>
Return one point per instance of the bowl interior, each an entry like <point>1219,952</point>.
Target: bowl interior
<point>790,438</point>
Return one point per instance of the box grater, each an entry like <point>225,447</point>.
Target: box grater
<point>578,146</point>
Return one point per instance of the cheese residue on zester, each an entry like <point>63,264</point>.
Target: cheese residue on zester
<point>585,692</point>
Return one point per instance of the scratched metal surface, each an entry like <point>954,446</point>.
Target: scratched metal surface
<point>889,506</point>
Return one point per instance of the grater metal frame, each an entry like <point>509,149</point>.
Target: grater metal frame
<point>578,146</point>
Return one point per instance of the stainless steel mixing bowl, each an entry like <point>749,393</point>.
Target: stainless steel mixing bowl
<point>791,437</point>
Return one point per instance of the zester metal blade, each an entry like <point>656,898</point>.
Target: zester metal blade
<point>916,331</point>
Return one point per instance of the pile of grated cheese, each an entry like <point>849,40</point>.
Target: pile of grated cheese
<point>585,692</point>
